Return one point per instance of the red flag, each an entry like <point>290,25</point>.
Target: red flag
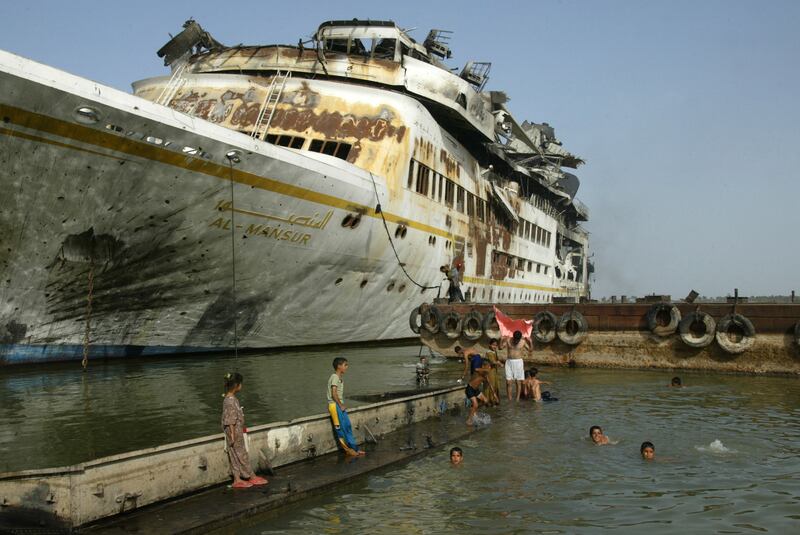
<point>508,326</point>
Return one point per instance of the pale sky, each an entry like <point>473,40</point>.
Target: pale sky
<point>686,111</point>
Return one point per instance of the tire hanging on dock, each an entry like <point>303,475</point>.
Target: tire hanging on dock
<point>431,319</point>
<point>451,325</point>
<point>472,326</point>
<point>545,325</point>
<point>572,328</point>
<point>490,326</point>
<point>413,320</point>
<point>735,342</point>
<point>697,329</point>
<point>656,319</point>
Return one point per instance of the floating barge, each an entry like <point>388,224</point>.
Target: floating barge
<point>732,337</point>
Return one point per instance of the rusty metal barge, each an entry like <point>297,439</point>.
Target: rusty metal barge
<point>256,192</point>
<point>762,338</point>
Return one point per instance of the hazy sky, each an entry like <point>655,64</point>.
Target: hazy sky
<point>686,112</point>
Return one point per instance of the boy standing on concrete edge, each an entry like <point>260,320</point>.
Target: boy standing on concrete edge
<point>341,421</point>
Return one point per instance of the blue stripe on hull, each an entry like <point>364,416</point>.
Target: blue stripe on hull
<point>34,354</point>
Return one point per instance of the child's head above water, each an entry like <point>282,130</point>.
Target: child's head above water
<point>595,433</point>
<point>456,455</point>
<point>676,381</point>
<point>648,451</point>
<point>233,381</point>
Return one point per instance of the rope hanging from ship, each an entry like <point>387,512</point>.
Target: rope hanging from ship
<point>233,157</point>
<point>378,210</point>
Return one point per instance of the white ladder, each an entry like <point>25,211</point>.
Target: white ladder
<point>173,86</point>
<point>270,103</point>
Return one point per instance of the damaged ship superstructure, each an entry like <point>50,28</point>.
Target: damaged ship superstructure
<point>266,196</point>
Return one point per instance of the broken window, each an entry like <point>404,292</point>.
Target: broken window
<point>449,192</point>
<point>423,175</point>
<point>329,148</point>
<point>336,45</point>
<point>384,49</point>
<point>462,100</point>
<point>343,150</point>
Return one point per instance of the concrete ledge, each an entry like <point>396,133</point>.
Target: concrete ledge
<point>222,506</point>
<point>73,496</point>
<point>772,353</point>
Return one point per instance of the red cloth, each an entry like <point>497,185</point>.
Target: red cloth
<point>508,326</point>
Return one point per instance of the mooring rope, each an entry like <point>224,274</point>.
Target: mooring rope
<point>391,242</point>
<point>233,264</point>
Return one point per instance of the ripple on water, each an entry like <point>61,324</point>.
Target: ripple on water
<point>722,465</point>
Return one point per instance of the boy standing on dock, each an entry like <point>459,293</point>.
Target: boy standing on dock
<point>337,410</point>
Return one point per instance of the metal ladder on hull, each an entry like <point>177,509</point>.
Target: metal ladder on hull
<point>270,103</point>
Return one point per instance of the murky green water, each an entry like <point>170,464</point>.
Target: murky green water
<point>533,470</point>
<point>57,415</point>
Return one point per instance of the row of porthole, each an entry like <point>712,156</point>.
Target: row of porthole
<point>364,283</point>
<point>89,115</point>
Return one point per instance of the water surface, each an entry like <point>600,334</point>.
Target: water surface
<point>58,415</point>
<point>534,470</point>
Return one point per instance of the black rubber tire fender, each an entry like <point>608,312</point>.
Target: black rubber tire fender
<point>726,342</point>
<point>689,337</point>
<point>431,319</point>
<point>545,325</point>
<point>451,325</point>
<point>413,318</point>
<point>472,326</point>
<point>674,319</point>
<point>565,321</point>
<point>488,329</point>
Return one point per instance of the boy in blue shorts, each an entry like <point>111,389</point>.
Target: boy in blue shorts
<point>337,410</point>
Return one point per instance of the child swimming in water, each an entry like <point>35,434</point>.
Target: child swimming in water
<point>535,388</point>
<point>456,456</point>
<point>648,451</point>
<point>676,382</point>
<point>473,392</point>
<point>597,436</point>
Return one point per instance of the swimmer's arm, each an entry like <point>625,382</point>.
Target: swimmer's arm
<point>335,396</point>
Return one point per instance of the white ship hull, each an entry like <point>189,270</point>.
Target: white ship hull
<point>141,199</point>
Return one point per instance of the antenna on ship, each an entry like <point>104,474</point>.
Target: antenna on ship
<point>233,156</point>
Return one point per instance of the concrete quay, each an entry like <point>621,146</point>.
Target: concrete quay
<point>74,496</point>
